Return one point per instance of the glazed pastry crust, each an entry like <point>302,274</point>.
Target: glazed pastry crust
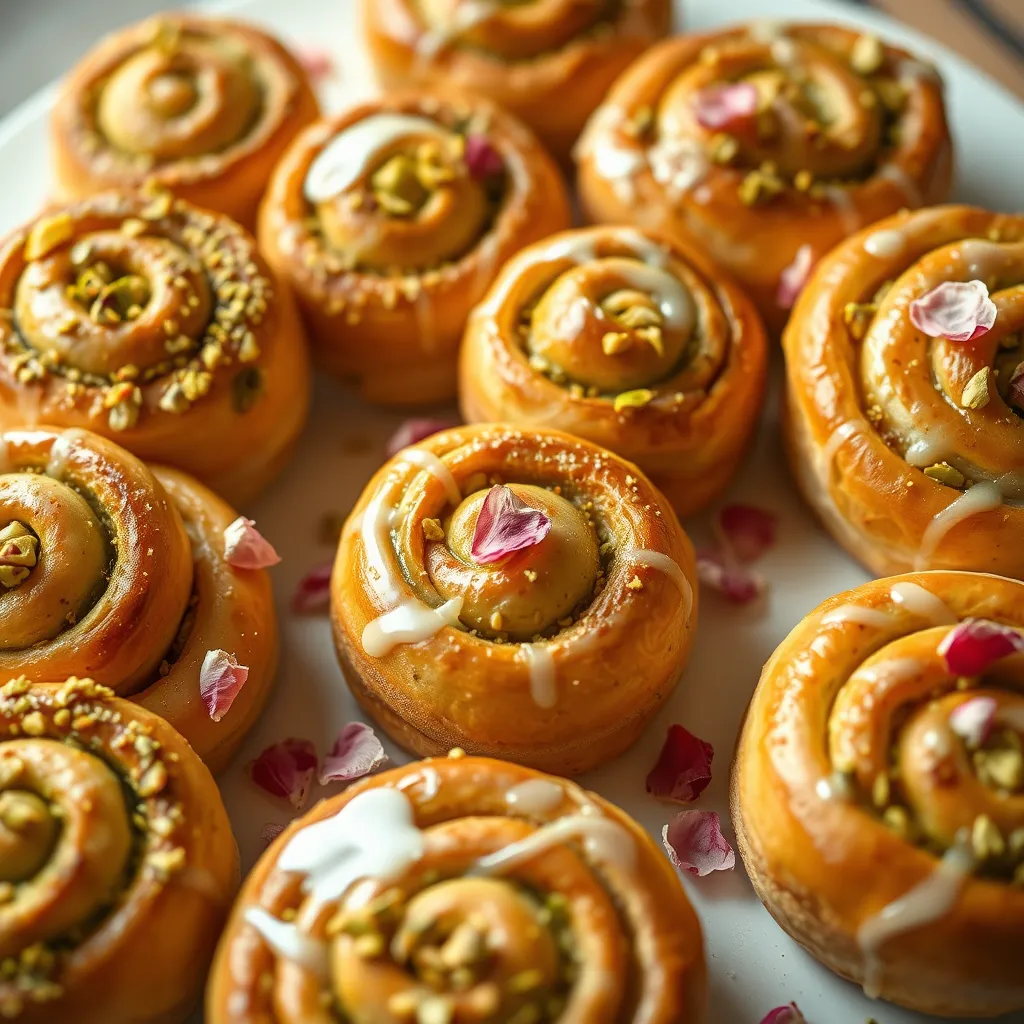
<point>855,473</point>
<point>701,402</point>
<point>817,862</point>
<point>230,177</point>
<point>614,664</point>
<point>554,86</point>
<point>665,973</point>
<point>659,169</point>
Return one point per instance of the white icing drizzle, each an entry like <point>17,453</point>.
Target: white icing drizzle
<point>535,797</point>
<point>436,468</point>
<point>930,447</point>
<point>912,70</point>
<point>885,244</point>
<point>541,665</point>
<point>857,613</point>
<point>674,300</point>
<point>617,159</point>
<point>924,904</point>
<point>906,185</point>
<point>784,51</point>
<point>842,200</point>
<point>288,941</point>
<point>920,601</point>
<point>983,258</point>
<point>982,497</point>
<point>466,14</point>
<point>834,787</point>
<point>62,449</point>
<point>838,438</point>
<point>656,560</point>
<point>678,163</point>
<point>892,670</point>
<point>410,623</point>
<point>347,156</point>
<point>604,840</point>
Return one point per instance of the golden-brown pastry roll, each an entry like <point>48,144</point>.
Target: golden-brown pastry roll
<point>143,318</point>
<point>392,220</point>
<point>133,579</point>
<point>878,790</point>
<point>905,411</point>
<point>550,62</point>
<point>640,345</point>
<point>767,144</point>
<point>461,889</point>
<point>517,592</point>
<point>117,863</point>
<point>204,106</point>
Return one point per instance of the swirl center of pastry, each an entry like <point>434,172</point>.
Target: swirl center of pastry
<point>28,834</point>
<point>172,93</point>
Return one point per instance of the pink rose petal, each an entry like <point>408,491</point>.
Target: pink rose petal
<point>356,752</point>
<point>694,843</point>
<point>789,1014</point>
<point>318,62</point>
<point>1017,387</point>
<point>975,645</point>
<point>506,525</point>
<point>246,548</point>
<point>313,594</point>
<point>683,770</point>
<point>270,832</point>
<point>746,531</point>
<point>220,680</point>
<point>957,310</point>
<point>482,159</point>
<point>286,770</point>
<point>412,432</point>
<point>721,106</point>
<point>794,277</point>
<point>734,582</point>
<point>972,720</point>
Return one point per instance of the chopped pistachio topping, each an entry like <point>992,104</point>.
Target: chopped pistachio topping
<point>944,473</point>
<point>986,840</point>
<point>723,148</point>
<point>858,316</point>
<point>976,393</point>
<point>761,186</point>
<point>46,234</point>
<point>19,552</point>
<point>1003,769</point>
<point>432,530</point>
<point>867,55</point>
<point>633,399</point>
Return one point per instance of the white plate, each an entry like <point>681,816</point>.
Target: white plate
<point>753,965</point>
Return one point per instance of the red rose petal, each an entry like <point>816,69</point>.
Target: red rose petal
<point>220,680</point>
<point>356,752</point>
<point>694,843</point>
<point>746,531</point>
<point>412,432</point>
<point>506,525</point>
<point>721,106</point>
<point>794,277</point>
<point>270,832</point>
<point>789,1014</point>
<point>957,310</point>
<point>972,720</point>
<point>246,548</point>
<point>1017,387</point>
<point>975,645</point>
<point>683,770</point>
<point>313,594</point>
<point>482,159</point>
<point>318,63</point>
<point>286,770</point>
<point>735,583</point>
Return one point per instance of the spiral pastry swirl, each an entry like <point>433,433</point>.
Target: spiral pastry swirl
<point>911,447</point>
<point>549,62</point>
<point>117,863</point>
<point>204,107</point>
<point>124,576</point>
<point>140,317</point>
<point>637,344</point>
<point>554,653</point>
<point>469,890</point>
<point>881,833</point>
<point>392,220</point>
<point>765,143</point>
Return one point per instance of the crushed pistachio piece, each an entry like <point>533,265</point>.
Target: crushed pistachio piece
<point>723,148</point>
<point>633,399</point>
<point>46,234</point>
<point>944,473</point>
<point>858,316</point>
<point>432,530</point>
<point>803,180</point>
<point>880,790</point>
<point>530,575</point>
<point>897,819</point>
<point>976,394</point>
<point>986,840</point>
<point>19,552</point>
<point>615,342</point>
<point>760,186</point>
<point>1001,768</point>
<point>369,946</point>
<point>867,55</point>
<point>497,621</point>
<point>174,399</point>
<point>635,584</point>
<point>435,1009</point>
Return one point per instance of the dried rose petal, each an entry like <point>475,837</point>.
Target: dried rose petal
<point>317,62</point>
<point>734,582</point>
<point>412,432</point>
<point>270,832</point>
<point>694,843</point>
<point>789,1014</point>
<point>794,277</point>
<point>246,548</point>
<point>482,159</point>
<point>1017,387</point>
<point>220,680</point>
<point>746,531</point>
<point>286,770</point>
<point>721,106</point>
<point>972,720</point>
<point>957,310</point>
<point>356,752</point>
<point>506,525</point>
<point>683,770</point>
<point>972,647</point>
<point>313,594</point>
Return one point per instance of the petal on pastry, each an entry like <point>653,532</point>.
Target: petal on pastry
<point>975,645</point>
<point>720,106</point>
<point>973,719</point>
<point>746,530</point>
<point>356,752</point>
<point>318,62</point>
<point>246,548</point>
<point>506,525</point>
<point>482,159</point>
<point>1017,387</point>
<point>734,582</point>
<point>313,594</point>
<point>694,842</point>
<point>683,769</point>
<point>794,277</point>
<point>220,680</point>
<point>788,1014</point>
<point>413,431</point>
<point>957,310</point>
<point>286,770</point>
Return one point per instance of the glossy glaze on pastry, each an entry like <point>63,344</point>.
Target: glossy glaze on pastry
<point>550,62</point>
<point>111,570</point>
<point>767,144</point>
<point>555,654</point>
<point>143,318</point>
<point>118,867</point>
<point>461,889</point>
<point>392,220</point>
<point>910,447</point>
<point>203,106</point>
<point>877,831</point>
<point>635,343</point>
